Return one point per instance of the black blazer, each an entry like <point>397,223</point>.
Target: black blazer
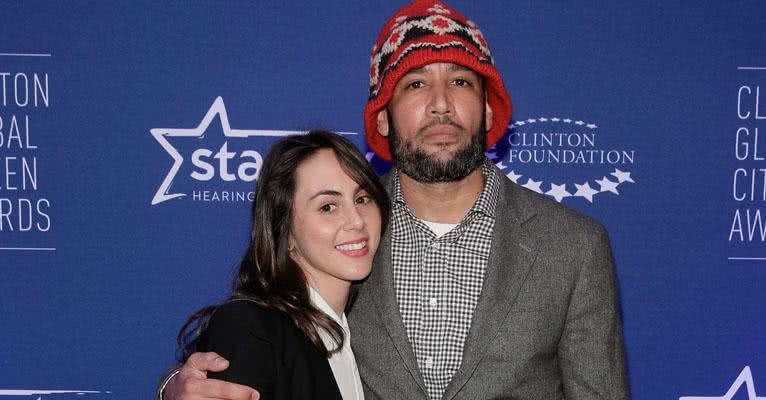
<point>267,352</point>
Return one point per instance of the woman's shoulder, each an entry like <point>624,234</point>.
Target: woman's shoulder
<point>243,315</point>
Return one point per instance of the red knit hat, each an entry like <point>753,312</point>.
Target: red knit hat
<point>425,32</point>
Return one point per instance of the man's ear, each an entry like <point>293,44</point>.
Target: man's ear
<point>383,127</point>
<point>488,116</point>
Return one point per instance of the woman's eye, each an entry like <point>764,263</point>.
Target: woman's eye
<point>364,199</point>
<point>328,208</point>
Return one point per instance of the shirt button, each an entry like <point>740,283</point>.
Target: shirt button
<point>433,302</point>
<point>429,362</point>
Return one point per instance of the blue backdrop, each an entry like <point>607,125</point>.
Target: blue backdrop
<point>130,134</point>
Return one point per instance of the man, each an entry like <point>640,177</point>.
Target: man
<point>481,289</point>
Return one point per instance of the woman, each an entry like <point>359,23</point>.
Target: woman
<point>317,220</point>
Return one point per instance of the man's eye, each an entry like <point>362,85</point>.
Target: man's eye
<point>327,208</point>
<point>414,85</point>
<point>462,83</point>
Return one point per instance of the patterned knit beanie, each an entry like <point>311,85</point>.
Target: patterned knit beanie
<point>421,33</point>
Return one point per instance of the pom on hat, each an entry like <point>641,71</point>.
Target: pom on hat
<point>421,33</point>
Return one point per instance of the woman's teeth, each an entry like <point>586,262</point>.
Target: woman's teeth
<point>352,246</point>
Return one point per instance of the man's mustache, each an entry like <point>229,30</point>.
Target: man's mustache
<point>440,120</point>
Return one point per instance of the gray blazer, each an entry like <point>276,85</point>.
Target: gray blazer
<point>546,326</point>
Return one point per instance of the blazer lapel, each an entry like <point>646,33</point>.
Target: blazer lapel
<point>511,256</point>
<point>380,286</point>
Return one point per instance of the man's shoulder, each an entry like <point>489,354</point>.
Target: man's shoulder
<point>528,205</point>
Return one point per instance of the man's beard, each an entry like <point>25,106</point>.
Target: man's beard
<point>426,168</point>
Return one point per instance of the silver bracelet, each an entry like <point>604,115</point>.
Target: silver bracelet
<point>161,390</point>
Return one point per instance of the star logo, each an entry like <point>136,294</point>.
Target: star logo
<point>217,109</point>
<point>585,191</point>
<point>622,176</point>
<point>533,185</point>
<point>745,378</point>
<point>514,177</point>
<point>558,192</point>
<point>607,185</point>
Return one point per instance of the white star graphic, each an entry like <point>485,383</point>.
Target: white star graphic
<point>555,119</point>
<point>745,378</point>
<point>520,123</point>
<point>591,126</point>
<point>531,120</point>
<point>579,123</point>
<point>542,119</point>
<point>585,191</point>
<point>558,192</point>
<point>567,120</point>
<point>514,177</point>
<point>532,185</point>
<point>216,109</point>
<point>622,176</point>
<point>607,185</point>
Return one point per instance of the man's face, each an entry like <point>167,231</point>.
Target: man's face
<point>436,122</point>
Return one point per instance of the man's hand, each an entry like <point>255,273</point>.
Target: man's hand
<point>191,382</point>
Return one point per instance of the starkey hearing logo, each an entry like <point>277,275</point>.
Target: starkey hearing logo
<point>564,158</point>
<point>744,379</point>
<point>211,163</point>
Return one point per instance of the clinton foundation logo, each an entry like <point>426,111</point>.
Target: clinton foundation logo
<point>565,158</point>
<point>213,162</point>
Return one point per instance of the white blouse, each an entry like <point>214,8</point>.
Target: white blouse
<point>342,363</point>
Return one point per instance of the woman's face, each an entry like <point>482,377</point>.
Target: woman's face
<point>336,224</point>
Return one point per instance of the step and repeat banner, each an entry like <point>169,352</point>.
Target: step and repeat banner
<point>132,134</point>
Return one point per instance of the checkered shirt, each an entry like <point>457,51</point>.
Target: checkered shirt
<point>438,280</point>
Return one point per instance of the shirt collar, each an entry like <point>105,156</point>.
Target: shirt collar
<point>319,302</point>
<point>487,201</point>
<point>485,204</point>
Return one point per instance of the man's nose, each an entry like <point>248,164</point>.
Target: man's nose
<point>440,102</point>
